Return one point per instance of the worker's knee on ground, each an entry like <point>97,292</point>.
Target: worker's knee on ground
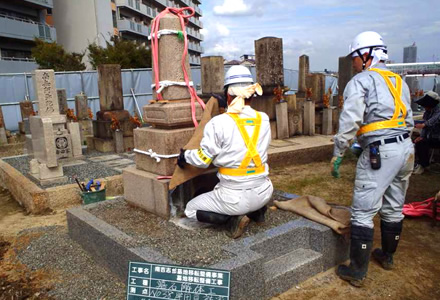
<point>190,212</point>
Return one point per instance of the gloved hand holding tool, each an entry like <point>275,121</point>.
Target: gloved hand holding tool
<point>335,164</point>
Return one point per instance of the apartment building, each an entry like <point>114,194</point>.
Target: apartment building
<point>20,22</point>
<point>82,22</point>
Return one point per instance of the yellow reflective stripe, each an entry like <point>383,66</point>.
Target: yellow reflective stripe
<point>251,144</point>
<point>205,158</point>
<point>242,172</point>
<point>382,125</point>
<point>400,108</point>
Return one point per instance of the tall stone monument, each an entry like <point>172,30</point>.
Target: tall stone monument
<point>304,70</point>
<point>53,138</point>
<point>82,114</point>
<point>62,101</point>
<point>172,127</point>
<point>270,75</point>
<point>213,74</point>
<point>111,110</point>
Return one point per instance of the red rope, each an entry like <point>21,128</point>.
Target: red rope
<point>179,12</point>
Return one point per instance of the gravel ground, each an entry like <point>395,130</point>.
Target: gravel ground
<point>85,171</point>
<point>198,248</point>
<point>76,272</point>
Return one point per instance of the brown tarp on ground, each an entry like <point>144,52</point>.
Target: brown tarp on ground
<point>316,209</point>
<point>180,176</point>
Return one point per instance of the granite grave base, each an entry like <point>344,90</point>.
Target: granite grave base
<point>262,265</point>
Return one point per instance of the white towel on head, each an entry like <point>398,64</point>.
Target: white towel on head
<point>241,93</point>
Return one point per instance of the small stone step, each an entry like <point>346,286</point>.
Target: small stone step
<point>290,269</point>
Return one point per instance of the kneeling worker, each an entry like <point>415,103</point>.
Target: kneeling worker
<point>237,143</point>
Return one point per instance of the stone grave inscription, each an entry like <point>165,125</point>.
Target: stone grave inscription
<point>149,281</point>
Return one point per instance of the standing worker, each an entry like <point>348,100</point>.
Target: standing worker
<point>237,143</point>
<point>377,110</point>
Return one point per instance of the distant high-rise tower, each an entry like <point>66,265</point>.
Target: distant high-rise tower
<point>410,54</point>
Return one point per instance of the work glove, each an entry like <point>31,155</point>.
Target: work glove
<point>181,161</point>
<point>335,164</point>
<point>221,100</point>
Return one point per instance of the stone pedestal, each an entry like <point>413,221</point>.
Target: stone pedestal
<point>47,176</point>
<point>104,145</point>
<point>327,121</point>
<point>309,117</point>
<point>282,120</point>
<point>213,74</point>
<point>269,63</point>
<point>161,141</point>
<point>75,136</point>
<point>273,130</point>
<point>171,115</point>
<point>144,190</point>
<point>62,101</point>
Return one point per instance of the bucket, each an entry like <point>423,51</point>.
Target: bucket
<point>92,197</point>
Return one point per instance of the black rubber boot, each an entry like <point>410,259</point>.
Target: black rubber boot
<point>360,247</point>
<point>258,215</point>
<point>390,239</point>
<point>235,225</point>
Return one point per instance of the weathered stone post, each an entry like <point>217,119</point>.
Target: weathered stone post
<point>82,114</point>
<point>295,114</point>
<point>345,73</point>
<point>282,120</point>
<point>62,101</point>
<point>270,75</point>
<point>327,123</point>
<point>213,74</point>
<point>304,70</point>
<point>111,103</point>
<point>3,137</point>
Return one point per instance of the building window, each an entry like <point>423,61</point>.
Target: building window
<point>115,23</point>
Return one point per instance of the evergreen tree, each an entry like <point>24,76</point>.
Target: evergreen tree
<point>53,56</point>
<point>128,54</point>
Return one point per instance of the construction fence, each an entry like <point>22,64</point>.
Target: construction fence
<point>136,84</point>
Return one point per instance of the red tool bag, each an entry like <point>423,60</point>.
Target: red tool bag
<point>424,208</point>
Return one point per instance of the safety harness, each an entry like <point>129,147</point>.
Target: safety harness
<point>400,109</point>
<point>251,144</point>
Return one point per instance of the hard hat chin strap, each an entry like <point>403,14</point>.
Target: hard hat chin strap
<point>365,60</point>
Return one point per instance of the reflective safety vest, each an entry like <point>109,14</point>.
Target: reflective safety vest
<point>400,109</point>
<point>251,144</point>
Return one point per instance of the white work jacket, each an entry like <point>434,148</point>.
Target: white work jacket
<point>223,145</point>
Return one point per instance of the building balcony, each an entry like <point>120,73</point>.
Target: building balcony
<point>194,34</point>
<point>133,27</point>
<point>195,48</point>
<point>135,6</point>
<point>194,60</point>
<point>163,2</point>
<point>25,30</point>
<point>196,22</point>
<point>42,3</point>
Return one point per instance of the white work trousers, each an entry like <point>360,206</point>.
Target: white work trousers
<point>382,190</point>
<point>231,200</point>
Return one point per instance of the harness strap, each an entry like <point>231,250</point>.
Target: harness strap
<point>400,108</point>
<point>251,144</point>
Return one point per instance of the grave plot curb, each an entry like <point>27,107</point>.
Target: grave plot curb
<point>264,265</point>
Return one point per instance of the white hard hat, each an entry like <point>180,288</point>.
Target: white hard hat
<point>366,39</point>
<point>238,74</point>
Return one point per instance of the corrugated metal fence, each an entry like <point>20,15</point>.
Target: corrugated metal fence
<point>15,88</point>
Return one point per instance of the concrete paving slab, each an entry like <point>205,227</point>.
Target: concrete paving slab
<point>75,162</point>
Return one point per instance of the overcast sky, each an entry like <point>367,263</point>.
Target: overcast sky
<point>322,29</point>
